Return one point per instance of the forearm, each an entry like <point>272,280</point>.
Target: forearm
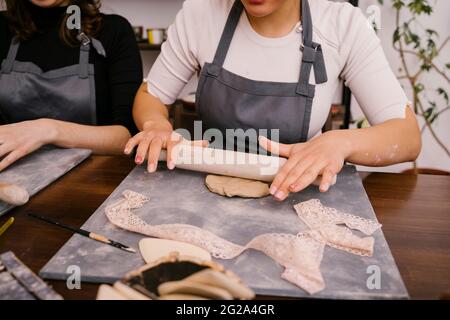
<point>148,110</point>
<point>392,142</point>
<point>99,139</point>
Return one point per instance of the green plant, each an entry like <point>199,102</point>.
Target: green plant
<point>412,38</point>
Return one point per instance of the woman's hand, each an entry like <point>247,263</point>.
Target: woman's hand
<point>324,155</point>
<point>19,139</point>
<point>154,138</point>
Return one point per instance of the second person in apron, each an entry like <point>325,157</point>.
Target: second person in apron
<point>70,88</point>
<point>270,65</point>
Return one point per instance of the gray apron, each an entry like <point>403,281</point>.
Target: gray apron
<point>225,100</point>
<point>28,93</point>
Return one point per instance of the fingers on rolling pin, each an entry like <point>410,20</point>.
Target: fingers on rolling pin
<point>13,194</point>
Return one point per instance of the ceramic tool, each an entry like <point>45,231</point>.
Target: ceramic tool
<point>13,194</point>
<point>20,283</point>
<point>226,162</point>
<point>85,233</point>
<point>153,249</point>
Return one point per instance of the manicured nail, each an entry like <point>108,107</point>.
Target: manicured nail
<point>171,165</point>
<point>293,187</point>
<point>280,195</point>
<point>127,151</point>
<point>151,167</point>
<point>139,159</point>
<point>334,180</point>
<point>273,190</point>
<point>325,187</point>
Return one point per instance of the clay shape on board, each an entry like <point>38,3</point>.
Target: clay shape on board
<point>236,187</point>
<point>155,249</point>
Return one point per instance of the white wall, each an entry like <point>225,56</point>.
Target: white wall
<point>146,13</point>
<point>149,14</point>
<point>432,155</point>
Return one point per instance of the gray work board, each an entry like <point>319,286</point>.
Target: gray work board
<point>180,196</point>
<point>40,168</point>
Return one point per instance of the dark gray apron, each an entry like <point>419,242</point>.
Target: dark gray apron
<point>28,93</point>
<point>225,100</point>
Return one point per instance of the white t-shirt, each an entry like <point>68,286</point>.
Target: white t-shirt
<point>351,49</point>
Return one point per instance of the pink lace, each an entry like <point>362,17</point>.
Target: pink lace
<point>299,254</point>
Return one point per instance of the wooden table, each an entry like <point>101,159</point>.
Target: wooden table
<point>414,211</point>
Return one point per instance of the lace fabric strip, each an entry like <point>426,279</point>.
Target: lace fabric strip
<point>299,254</point>
<point>329,221</point>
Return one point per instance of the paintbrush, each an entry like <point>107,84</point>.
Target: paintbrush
<point>6,225</point>
<point>85,233</point>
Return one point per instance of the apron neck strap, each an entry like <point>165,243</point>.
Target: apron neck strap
<point>312,52</point>
<point>233,20</point>
<point>307,23</point>
<point>312,56</point>
<point>85,48</point>
<point>8,64</point>
<point>83,66</point>
<point>228,33</point>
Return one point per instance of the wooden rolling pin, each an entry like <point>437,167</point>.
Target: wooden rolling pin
<point>13,194</point>
<point>225,162</point>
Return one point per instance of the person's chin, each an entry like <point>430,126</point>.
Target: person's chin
<point>257,8</point>
<point>45,3</point>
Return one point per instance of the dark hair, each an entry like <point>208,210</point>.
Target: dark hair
<point>21,21</point>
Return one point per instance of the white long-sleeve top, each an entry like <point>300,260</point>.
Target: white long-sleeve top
<point>351,48</point>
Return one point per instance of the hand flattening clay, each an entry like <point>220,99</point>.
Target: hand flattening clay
<point>236,187</point>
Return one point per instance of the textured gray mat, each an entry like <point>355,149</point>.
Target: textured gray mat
<point>39,169</point>
<point>180,197</point>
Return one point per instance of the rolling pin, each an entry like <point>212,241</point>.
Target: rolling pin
<point>13,194</point>
<point>226,162</point>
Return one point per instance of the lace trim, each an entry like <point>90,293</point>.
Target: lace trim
<point>299,254</point>
<point>329,221</point>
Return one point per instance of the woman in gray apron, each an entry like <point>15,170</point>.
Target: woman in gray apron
<point>61,93</point>
<point>229,100</point>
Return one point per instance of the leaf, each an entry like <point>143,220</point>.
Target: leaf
<point>396,37</point>
<point>428,113</point>
<point>418,88</point>
<point>398,4</point>
<point>443,93</point>
<point>431,32</point>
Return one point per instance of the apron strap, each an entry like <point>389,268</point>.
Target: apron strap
<point>84,61</point>
<point>312,52</point>
<point>227,36</point>
<point>8,64</point>
<point>312,56</point>
<point>85,48</point>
